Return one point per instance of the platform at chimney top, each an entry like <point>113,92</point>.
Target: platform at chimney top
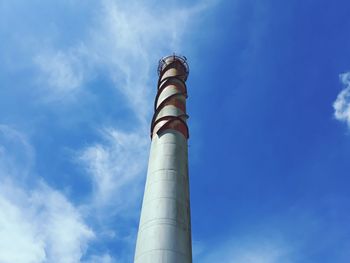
<point>168,60</point>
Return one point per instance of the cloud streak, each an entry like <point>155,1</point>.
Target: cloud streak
<point>342,103</point>
<point>37,223</point>
<point>62,73</point>
<point>125,41</point>
<point>114,167</point>
<point>42,224</point>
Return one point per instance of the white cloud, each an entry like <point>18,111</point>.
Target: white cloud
<point>17,234</point>
<point>115,167</point>
<point>40,225</point>
<point>129,40</point>
<point>15,143</point>
<point>126,41</point>
<point>62,72</point>
<point>342,103</point>
<point>37,223</point>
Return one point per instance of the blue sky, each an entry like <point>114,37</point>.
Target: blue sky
<point>269,106</point>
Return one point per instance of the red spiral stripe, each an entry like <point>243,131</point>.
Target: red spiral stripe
<point>173,72</point>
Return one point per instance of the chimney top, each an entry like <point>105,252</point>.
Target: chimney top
<point>167,60</point>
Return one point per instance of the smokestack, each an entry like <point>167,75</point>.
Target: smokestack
<point>164,234</point>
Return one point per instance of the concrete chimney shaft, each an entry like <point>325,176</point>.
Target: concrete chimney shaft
<point>164,234</point>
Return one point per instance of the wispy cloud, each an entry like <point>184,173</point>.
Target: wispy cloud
<point>125,41</point>
<point>40,225</point>
<point>37,223</point>
<point>342,103</point>
<point>130,38</point>
<point>114,166</point>
<point>62,73</point>
<point>15,143</point>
